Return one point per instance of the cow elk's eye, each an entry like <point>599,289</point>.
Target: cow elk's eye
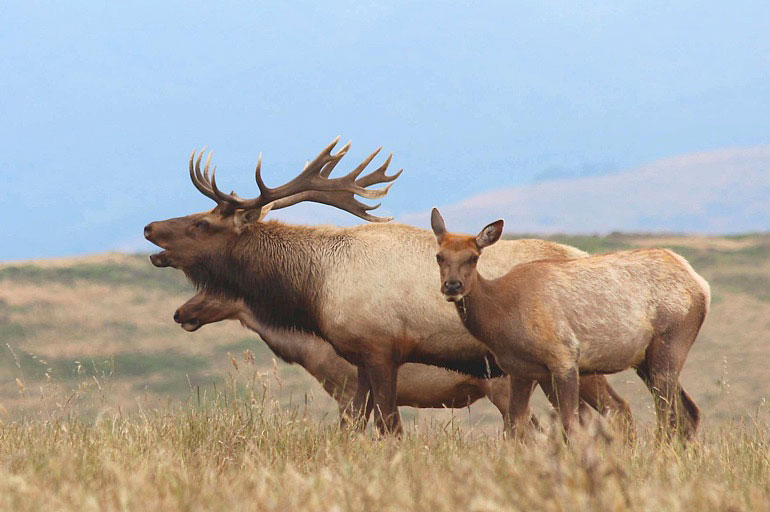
<point>474,260</point>
<point>439,258</point>
<point>202,224</point>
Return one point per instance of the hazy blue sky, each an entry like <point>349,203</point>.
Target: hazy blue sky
<point>101,103</point>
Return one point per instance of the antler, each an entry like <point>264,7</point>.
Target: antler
<point>312,184</point>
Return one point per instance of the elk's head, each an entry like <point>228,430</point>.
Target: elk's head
<point>204,309</point>
<point>203,237</point>
<point>458,255</point>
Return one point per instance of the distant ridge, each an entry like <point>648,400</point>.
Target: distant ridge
<point>721,191</point>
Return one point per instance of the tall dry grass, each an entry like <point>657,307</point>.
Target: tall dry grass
<point>236,448</point>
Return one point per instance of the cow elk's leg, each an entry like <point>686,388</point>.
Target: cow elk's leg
<point>518,416</point>
<point>357,411</point>
<point>662,392</point>
<point>677,413</point>
<point>563,391</point>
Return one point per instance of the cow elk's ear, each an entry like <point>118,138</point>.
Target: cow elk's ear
<point>490,234</point>
<point>437,223</point>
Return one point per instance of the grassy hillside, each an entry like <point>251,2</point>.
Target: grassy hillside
<point>242,451</point>
<point>106,404</point>
<point>91,334</point>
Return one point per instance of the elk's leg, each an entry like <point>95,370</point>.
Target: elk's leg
<point>676,412</point>
<point>517,417</point>
<point>662,393</point>
<point>692,411</point>
<point>382,377</point>
<point>596,391</point>
<point>563,391</point>
<point>357,411</point>
<point>498,391</point>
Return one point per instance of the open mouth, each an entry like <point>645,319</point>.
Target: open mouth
<point>191,325</point>
<point>160,259</point>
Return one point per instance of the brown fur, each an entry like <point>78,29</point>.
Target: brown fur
<point>419,385</point>
<point>376,306</point>
<point>548,321</point>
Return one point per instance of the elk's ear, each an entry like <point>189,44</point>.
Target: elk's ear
<point>244,217</point>
<point>490,234</point>
<point>437,223</point>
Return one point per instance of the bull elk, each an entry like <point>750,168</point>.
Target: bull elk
<point>419,385</point>
<point>374,304</point>
<point>554,321</point>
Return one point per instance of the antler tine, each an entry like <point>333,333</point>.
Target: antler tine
<point>225,198</point>
<point>199,184</point>
<point>258,170</point>
<point>203,180</point>
<point>329,167</point>
<point>206,168</point>
<point>375,193</point>
<point>378,175</point>
<point>339,199</point>
<point>355,172</point>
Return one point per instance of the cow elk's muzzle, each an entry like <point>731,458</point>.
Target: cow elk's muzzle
<point>188,324</point>
<point>452,290</point>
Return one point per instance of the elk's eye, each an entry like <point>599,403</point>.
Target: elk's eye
<point>439,258</point>
<point>474,260</point>
<point>202,224</point>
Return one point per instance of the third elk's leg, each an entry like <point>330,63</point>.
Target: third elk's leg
<point>517,416</point>
<point>596,391</point>
<point>357,412</point>
<point>382,374</point>
<point>563,392</point>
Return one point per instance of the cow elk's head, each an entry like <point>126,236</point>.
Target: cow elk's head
<point>205,309</point>
<point>189,240</point>
<point>458,255</point>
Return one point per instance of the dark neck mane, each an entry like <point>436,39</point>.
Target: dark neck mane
<point>277,269</point>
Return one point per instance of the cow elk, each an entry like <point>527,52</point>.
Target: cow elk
<point>375,305</point>
<point>553,322</point>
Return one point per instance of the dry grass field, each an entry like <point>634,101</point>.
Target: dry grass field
<point>106,404</point>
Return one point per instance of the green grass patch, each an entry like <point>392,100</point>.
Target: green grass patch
<point>253,343</point>
<point>114,274</point>
<point>755,285</point>
<point>753,255</point>
<point>593,244</point>
<point>124,364</point>
<point>11,331</point>
<point>262,353</point>
<point>176,385</point>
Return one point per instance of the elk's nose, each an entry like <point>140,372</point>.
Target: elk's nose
<point>148,230</point>
<point>452,287</point>
<point>176,316</point>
